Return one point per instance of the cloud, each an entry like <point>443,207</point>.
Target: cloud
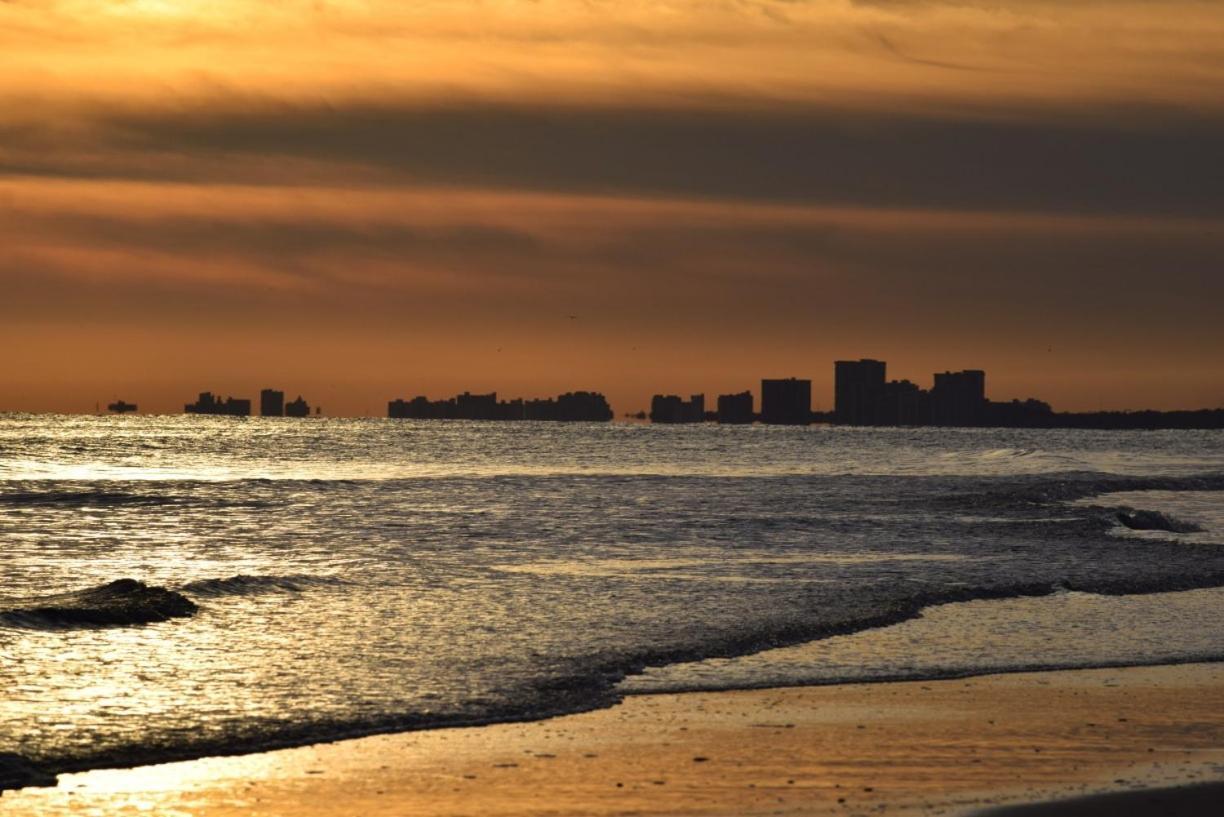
<point>712,186</point>
<point>628,49</point>
<point>1028,104</point>
<point>373,282</point>
<point>495,255</point>
<point>1123,160</point>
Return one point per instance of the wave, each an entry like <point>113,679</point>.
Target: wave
<point>1009,453</point>
<point>124,601</point>
<point>591,681</point>
<point>901,675</point>
<point>70,498</point>
<point>1069,484</point>
<point>573,689</point>
<point>244,585</point>
<point>1036,493</point>
<point>75,499</point>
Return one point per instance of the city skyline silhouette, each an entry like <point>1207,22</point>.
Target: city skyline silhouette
<point>544,407</point>
<point>862,396</point>
<point>677,217</point>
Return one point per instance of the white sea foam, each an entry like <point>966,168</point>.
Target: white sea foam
<point>1062,630</point>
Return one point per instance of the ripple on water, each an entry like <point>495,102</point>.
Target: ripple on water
<point>357,576</point>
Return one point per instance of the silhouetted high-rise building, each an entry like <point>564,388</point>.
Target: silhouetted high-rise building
<point>858,392</point>
<point>670,409</point>
<point>297,408</point>
<point>904,404</point>
<point>401,409</point>
<point>271,403</point>
<point>581,406</point>
<point>666,408</point>
<point>204,404</point>
<point>694,409</point>
<point>786,402</point>
<point>735,409</point>
<point>477,406</point>
<point>959,398</point>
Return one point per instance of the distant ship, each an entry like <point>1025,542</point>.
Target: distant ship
<point>120,407</point>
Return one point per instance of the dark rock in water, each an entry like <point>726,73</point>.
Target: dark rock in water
<point>125,601</point>
<point>17,772</point>
<point>1155,520</point>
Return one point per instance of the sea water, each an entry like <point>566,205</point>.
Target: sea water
<point>344,577</point>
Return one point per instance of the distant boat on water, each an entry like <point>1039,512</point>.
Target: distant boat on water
<point>120,407</point>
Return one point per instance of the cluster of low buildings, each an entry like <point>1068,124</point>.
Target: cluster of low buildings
<point>271,404</point>
<point>783,402</point>
<point>863,396</point>
<point>569,407</point>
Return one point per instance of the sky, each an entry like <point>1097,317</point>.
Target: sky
<point>362,200</point>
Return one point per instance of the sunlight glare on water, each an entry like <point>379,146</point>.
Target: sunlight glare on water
<point>353,576</point>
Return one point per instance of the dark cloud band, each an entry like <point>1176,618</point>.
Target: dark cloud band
<point>1126,160</point>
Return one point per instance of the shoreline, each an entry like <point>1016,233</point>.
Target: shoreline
<point>39,778</point>
<point>949,745</point>
<point>928,621</point>
<point>1176,801</point>
<point>914,679</point>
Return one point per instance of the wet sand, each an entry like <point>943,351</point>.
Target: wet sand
<point>1183,801</point>
<point>938,747</point>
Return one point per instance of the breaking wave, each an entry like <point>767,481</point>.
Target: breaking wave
<point>510,572</point>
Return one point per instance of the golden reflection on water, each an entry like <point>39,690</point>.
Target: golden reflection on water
<point>673,568</point>
<point>916,748</point>
<point>457,597</point>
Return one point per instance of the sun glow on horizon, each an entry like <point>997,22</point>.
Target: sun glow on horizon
<point>431,188</point>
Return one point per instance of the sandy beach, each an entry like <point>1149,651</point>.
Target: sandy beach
<point>938,747</point>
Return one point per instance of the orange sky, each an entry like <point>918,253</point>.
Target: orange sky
<point>366,200</point>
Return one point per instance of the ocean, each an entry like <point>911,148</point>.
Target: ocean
<point>174,587</point>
